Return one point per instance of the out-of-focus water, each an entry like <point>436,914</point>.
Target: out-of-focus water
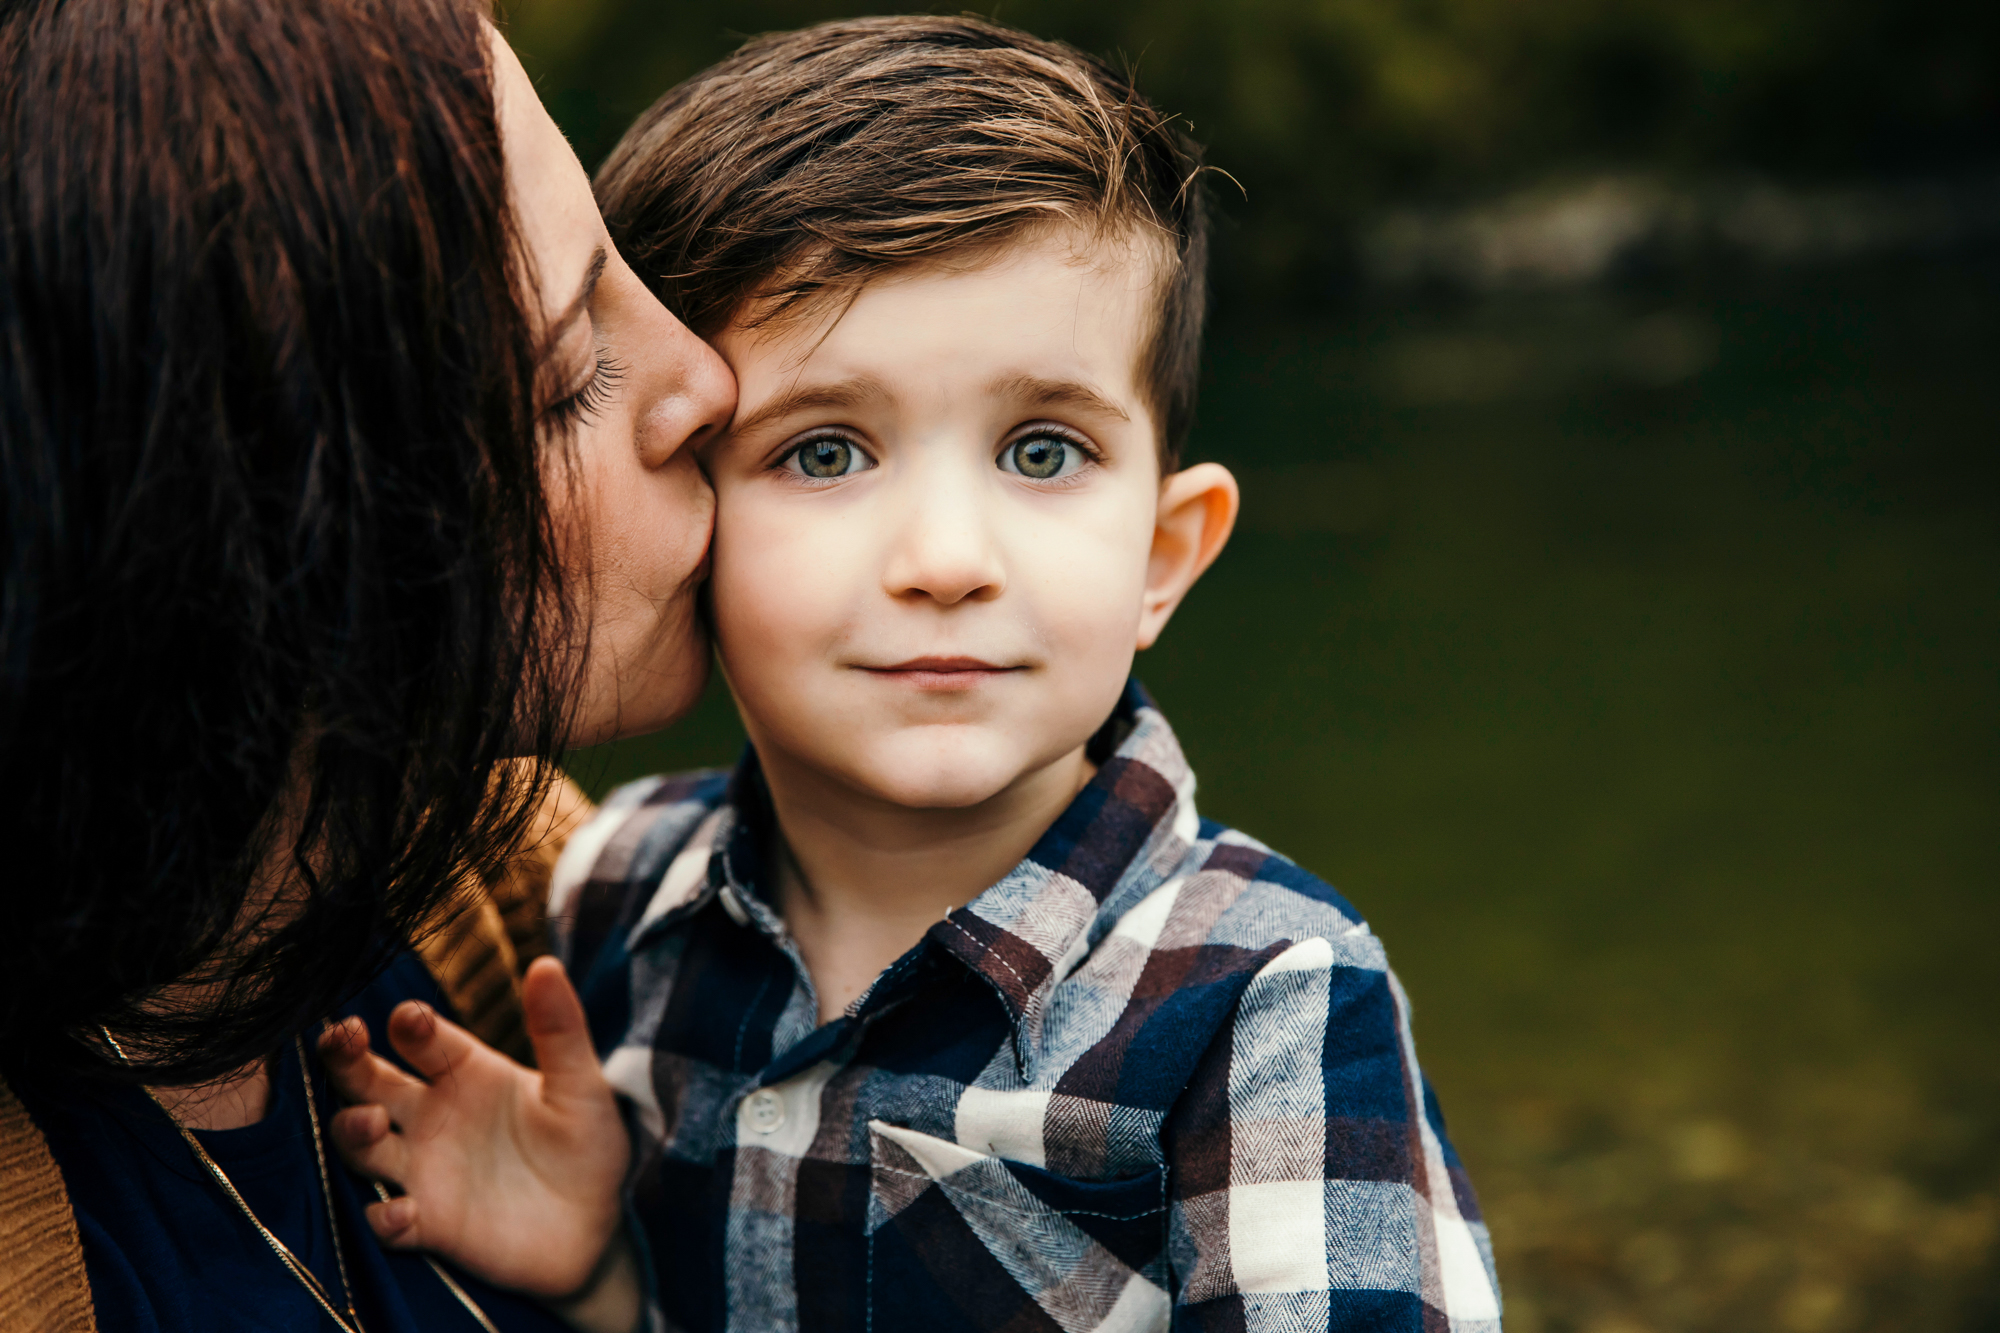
<point>1633,662</point>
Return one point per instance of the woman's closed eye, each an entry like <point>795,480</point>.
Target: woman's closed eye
<point>1045,454</point>
<point>587,399</point>
<point>825,457</point>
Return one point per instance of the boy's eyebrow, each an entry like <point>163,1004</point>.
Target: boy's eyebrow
<point>1046,392</point>
<point>811,398</point>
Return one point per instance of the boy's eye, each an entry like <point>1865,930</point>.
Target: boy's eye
<point>828,456</point>
<point>1042,457</point>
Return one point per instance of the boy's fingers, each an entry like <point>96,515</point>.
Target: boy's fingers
<point>395,1222</point>
<point>341,1040</point>
<point>361,1136</point>
<point>432,1043</point>
<point>559,1033</point>
<point>358,1128</point>
<point>358,1074</point>
<point>343,1044</point>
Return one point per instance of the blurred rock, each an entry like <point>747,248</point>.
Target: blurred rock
<point>1708,1151</point>
<point>1591,350</point>
<point>1585,232</point>
<point>1813,1306</point>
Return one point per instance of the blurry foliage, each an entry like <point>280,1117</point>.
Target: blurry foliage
<point>1328,109</point>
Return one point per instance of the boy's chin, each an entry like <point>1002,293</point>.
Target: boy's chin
<point>949,788</point>
<point>953,777</point>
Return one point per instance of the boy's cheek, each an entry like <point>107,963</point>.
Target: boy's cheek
<point>790,583</point>
<point>780,594</point>
<point>749,529</point>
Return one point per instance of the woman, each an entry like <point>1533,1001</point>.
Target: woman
<point>346,480</point>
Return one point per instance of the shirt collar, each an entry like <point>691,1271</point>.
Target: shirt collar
<point>1123,835</point>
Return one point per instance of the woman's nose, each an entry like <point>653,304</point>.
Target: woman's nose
<point>689,393</point>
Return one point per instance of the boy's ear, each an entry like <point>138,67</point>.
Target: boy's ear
<point>1197,509</point>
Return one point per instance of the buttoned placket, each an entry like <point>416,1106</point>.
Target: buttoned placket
<point>767,1105</point>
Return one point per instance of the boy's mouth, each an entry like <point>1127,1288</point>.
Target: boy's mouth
<point>943,673</point>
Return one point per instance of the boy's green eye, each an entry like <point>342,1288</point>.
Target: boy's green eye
<point>1041,457</point>
<point>829,456</point>
<point>825,458</point>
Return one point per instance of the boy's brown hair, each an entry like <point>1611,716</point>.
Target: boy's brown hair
<point>811,161</point>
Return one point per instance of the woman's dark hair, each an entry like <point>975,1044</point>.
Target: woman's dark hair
<point>280,594</point>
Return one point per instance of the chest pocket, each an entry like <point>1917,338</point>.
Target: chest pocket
<point>962,1240</point>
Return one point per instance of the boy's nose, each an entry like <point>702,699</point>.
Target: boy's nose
<point>944,551</point>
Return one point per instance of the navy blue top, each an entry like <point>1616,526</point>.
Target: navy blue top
<point>168,1252</point>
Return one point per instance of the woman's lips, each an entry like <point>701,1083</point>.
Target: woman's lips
<point>942,673</point>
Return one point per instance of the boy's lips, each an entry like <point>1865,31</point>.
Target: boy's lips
<point>942,673</point>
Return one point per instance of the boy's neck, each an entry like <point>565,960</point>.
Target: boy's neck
<point>859,880</point>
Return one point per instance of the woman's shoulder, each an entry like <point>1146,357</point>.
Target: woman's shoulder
<point>43,1283</point>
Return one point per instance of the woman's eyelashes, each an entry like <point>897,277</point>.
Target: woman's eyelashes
<point>588,398</point>
<point>825,457</point>
<point>1044,454</point>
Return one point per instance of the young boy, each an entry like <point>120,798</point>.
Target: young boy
<point>946,1010</point>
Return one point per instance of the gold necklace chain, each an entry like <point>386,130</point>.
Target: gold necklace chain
<point>352,1322</point>
<point>450,1283</point>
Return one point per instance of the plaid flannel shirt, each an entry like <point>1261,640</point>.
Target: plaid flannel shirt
<point>1158,1075</point>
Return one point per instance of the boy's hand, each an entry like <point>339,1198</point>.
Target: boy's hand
<point>511,1173</point>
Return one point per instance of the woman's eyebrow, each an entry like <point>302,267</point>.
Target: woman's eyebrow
<point>1044,392</point>
<point>580,303</point>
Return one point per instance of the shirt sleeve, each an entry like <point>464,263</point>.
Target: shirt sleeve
<point>1311,1184</point>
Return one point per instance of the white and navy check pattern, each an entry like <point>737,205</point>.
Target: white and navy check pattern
<point>1157,1076</point>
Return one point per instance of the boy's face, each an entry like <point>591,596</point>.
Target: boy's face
<point>935,549</point>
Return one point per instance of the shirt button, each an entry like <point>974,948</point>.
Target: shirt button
<point>767,1110</point>
<point>733,905</point>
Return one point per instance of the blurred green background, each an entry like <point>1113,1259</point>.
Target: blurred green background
<point>1613,616</point>
<point>1329,110</point>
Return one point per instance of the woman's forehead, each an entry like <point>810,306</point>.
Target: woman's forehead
<point>558,218</point>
